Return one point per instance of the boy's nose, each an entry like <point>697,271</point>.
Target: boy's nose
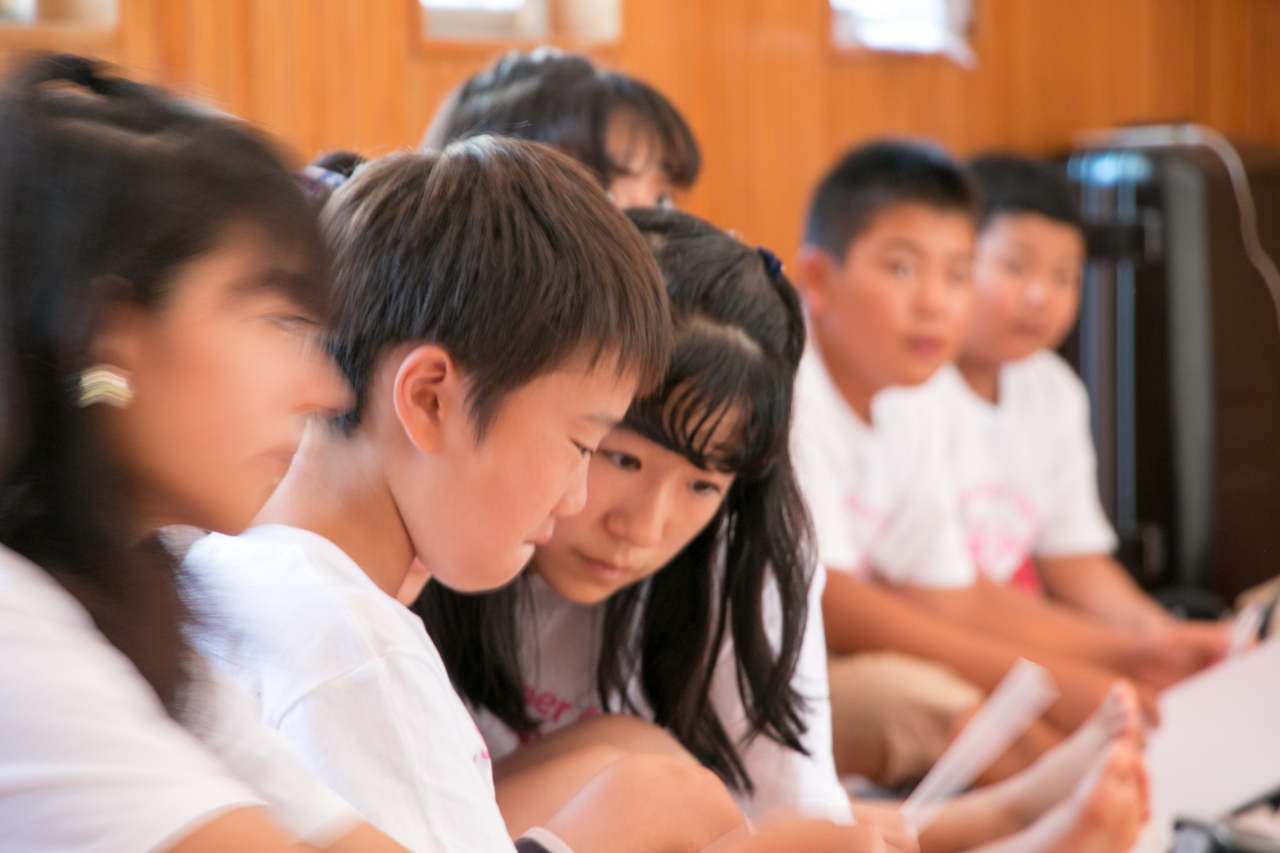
<point>574,498</point>
<point>929,295</point>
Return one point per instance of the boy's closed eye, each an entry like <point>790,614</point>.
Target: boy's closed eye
<point>624,461</point>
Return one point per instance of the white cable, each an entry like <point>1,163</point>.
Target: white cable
<point>1178,135</point>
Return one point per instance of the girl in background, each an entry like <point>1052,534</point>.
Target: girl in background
<point>626,132</point>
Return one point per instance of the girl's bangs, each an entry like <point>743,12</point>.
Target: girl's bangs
<point>717,406</point>
<point>669,134</point>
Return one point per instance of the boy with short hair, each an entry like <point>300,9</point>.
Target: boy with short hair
<point>885,273</point>
<point>1020,452</point>
<point>495,314</point>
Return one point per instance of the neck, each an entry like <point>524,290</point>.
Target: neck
<point>857,389</point>
<point>335,488</point>
<point>982,377</point>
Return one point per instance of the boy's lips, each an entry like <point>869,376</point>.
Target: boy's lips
<point>925,347</point>
<point>1030,330</point>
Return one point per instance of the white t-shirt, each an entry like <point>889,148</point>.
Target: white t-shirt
<point>348,676</point>
<point>878,493</point>
<point>90,761</point>
<point>1024,469</point>
<point>560,649</point>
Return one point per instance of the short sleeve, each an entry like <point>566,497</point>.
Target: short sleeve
<point>89,760</point>
<point>229,723</point>
<point>387,738</point>
<point>1074,521</point>
<point>824,494</point>
<point>781,775</point>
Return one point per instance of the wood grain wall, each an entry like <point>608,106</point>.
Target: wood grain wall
<point>770,102</point>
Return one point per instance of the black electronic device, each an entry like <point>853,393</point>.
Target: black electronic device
<point>1179,346</point>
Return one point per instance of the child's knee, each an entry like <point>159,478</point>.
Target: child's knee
<point>683,787</point>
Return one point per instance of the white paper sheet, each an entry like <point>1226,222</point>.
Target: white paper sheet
<point>1021,696</point>
<point>1218,745</point>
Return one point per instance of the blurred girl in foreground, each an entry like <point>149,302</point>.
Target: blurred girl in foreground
<point>161,287</point>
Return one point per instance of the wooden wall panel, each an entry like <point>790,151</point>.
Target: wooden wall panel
<point>770,101</point>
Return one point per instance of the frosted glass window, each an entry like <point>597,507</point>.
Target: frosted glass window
<point>81,13</point>
<point>904,26</point>
<point>485,20</point>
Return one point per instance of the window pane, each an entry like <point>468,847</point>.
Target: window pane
<point>486,20</point>
<point>904,26</point>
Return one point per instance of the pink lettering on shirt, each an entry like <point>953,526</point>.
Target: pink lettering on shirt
<point>1001,525</point>
<point>544,703</point>
<point>548,707</point>
<point>1027,578</point>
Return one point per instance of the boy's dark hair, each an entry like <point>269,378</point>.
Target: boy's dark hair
<point>563,100</point>
<point>108,188</point>
<point>503,252</point>
<point>880,175</point>
<point>739,335</point>
<point>1011,184</point>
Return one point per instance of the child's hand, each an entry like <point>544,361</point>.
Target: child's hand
<point>1179,649</point>
<point>1083,686</point>
<point>899,836</point>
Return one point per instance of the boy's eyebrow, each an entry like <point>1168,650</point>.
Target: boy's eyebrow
<point>604,420</point>
<point>904,243</point>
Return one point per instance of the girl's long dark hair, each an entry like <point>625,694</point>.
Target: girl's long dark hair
<point>107,188</point>
<point>739,337</point>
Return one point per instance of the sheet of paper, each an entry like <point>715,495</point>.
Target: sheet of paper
<point>1218,745</point>
<point>1021,696</point>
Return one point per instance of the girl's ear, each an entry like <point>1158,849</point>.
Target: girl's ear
<point>429,397</point>
<point>814,277</point>
<point>119,335</point>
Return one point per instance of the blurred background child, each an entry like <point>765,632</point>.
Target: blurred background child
<point>886,276</point>
<point>626,132</point>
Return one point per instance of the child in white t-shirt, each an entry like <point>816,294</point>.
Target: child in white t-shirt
<point>161,290</point>
<point>691,518</point>
<point>1020,450</point>
<point>497,314</point>
<point>885,272</point>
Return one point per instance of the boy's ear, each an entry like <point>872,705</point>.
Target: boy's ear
<point>815,276</point>
<point>428,394</point>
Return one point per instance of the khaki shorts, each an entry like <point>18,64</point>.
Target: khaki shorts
<point>893,715</point>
